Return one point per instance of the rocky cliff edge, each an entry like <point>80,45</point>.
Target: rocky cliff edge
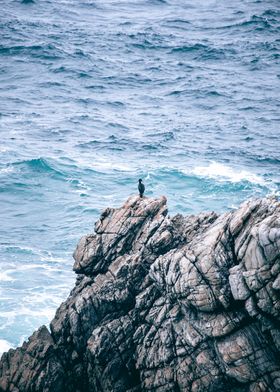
<point>183,303</point>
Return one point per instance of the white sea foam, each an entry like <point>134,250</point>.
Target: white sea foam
<point>221,172</point>
<point>4,346</point>
<point>43,313</point>
<point>6,170</point>
<point>148,176</point>
<point>49,257</point>
<point>79,184</point>
<point>41,254</point>
<point>105,164</point>
<point>102,164</point>
<point>41,267</point>
<point>4,277</point>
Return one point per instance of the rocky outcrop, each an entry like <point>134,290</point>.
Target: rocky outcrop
<point>164,304</point>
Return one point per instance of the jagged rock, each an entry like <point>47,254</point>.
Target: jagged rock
<point>164,304</point>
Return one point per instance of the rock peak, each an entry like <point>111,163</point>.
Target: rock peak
<point>117,230</point>
<point>164,304</point>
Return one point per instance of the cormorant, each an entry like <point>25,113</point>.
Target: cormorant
<point>141,187</point>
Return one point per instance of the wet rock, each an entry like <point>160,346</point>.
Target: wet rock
<point>164,304</point>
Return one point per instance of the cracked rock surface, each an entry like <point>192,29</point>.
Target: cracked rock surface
<point>164,304</point>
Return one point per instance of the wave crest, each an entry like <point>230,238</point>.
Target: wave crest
<point>39,165</point>
<point>220,172</point>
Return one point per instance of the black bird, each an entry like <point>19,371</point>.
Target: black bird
<point>141,187</point>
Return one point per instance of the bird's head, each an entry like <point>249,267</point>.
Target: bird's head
<point>140,180</point>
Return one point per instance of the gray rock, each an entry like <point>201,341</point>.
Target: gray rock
<point>164,304</point>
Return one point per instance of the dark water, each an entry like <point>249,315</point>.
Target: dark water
<point>95,94</point>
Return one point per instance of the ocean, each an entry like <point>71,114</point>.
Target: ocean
<point>96,94</point>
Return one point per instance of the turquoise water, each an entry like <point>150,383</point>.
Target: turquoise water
<point>94,95</point>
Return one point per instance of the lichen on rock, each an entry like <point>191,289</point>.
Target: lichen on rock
<point>164,304</point>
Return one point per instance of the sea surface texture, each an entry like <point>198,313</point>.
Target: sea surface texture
<point>96,94</point>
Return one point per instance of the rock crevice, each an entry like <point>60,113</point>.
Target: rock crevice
<point>164,304</point>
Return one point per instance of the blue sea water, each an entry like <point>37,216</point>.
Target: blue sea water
<point>94,95</point>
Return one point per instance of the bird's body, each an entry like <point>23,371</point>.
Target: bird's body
<point>141,188</point>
